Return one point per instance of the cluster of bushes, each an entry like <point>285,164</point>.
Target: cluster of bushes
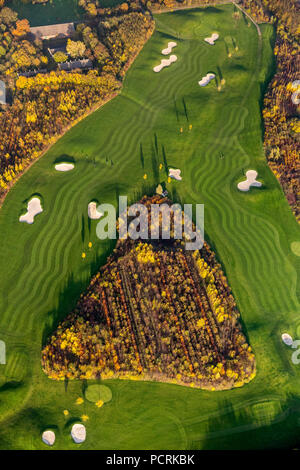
<point>173,4</point>
<point>93,8</point>
<point>114,36</point>
<point>43,107</point>
<point>17,53</point>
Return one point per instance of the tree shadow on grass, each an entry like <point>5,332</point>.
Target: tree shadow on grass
<point>12,385</point>
<point>142,158</point>
<point>82,228</point>
<point>71,421</point>
<point>64,158</point>
<point>245,428</point>
<point>185,109</point>
<point>165,160</point>
<point>72,290</point>
<point>212,9</point>
<point>66,302</point>
<point>41,418</point>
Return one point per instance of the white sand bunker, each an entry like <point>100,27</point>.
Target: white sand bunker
<point>287,339</point>
<point>48,438</point>
<point>175,174</point>
<point>168,50</point>
<point>205,80</point>
<point>295,95</point>
<point>34,208</point>
<point>64,166</point>
<point>212,39</point>
<point>165,63</point>
<point>78,433</point>
<point>92,211</point>
<point>250,181</point>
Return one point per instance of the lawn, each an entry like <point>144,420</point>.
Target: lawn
<point>54,11</point>
<point>42,272</point>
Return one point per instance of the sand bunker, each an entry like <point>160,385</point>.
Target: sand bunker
<point>64,166</point>
<point>92,211</point>
<point>168,50</point>
<point>48,438</point>
<point>165,63</point>
<point>250,181</point>
<point>205,80</point>
<point>212,39</point>
<point>287,339</point>
<point>175,174</point>
<point>34,208</point>
<point>78,433</point>
<point>295,96</point>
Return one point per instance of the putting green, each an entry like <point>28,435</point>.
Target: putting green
<point>42,272</point>
<point>295,247</point>
<point>95,393</point>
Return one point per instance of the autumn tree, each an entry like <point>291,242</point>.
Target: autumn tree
<point>75,48</point>
<point>60,57</point>
<point>8,16</point>
<point>22,28</point>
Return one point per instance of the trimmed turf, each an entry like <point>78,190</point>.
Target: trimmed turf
<point>52,12</point>
<point>42,272</point>
<point>295,246</point>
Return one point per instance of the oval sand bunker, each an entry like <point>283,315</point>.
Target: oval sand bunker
<point>64,166</point>
<point>287,339</point>
<point>34,208</point>
<point>48,438</point>
<point>92,211</point>
<point>78,433</point>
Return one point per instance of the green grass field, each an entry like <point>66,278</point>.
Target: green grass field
<point>42,273</point>
<point>54,11</point>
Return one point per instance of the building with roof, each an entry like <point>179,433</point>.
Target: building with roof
<point>54,31</point>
